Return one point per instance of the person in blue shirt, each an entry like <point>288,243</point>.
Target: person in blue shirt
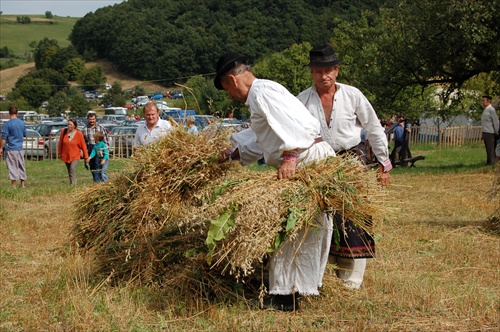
<point>12,140</point>
<point>399,133</point>
<point>101,152</point>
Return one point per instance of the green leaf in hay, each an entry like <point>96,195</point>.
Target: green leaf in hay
<point>291,220</point>
<point>336,238</point>
<point>220,190</point>
<point>279,239</point>
<point>219,228</point>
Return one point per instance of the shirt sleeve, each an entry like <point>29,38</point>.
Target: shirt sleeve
<point>289,120</point>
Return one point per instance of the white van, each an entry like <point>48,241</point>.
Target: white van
<point>142,100</point>
<point>115,111</point>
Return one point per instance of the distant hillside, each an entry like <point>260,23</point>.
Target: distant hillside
<point>9,77</point>
<point>17,37</point>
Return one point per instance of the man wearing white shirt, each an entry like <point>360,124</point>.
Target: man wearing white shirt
<point>153,128</point>
<point>343,112</point>
<point>287,136</point>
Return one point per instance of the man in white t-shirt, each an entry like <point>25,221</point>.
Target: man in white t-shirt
<point>153,128</point>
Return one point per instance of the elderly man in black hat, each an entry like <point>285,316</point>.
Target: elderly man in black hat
<point>343,111</point>
<point>287,136</point>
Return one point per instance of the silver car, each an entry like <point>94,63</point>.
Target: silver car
<point>33,145</point>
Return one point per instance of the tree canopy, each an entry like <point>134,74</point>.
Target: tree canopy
<point>172,40</point>
<point>411,46</point>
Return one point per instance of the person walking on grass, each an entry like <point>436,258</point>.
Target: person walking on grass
<point>70,148</point>
<point>489,127</point>
<point>11,145</point>
<point>101,152</point>
<point>89,132</point>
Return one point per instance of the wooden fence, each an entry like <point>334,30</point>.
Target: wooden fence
<point>447,136</point>
<point>121,146</point>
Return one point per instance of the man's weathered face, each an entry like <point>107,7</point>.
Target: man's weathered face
<point>231,84</point>
<point>324,77</point>
<point>151,115</point>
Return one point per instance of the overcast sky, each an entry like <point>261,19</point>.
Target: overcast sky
<point>75,8</point>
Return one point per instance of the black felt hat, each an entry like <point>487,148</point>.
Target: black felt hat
<point>227,62</point>
<point>323,56</point>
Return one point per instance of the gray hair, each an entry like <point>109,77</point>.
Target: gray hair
<point>239,68</point>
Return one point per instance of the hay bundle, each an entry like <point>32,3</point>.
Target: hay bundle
<point>176,211</point>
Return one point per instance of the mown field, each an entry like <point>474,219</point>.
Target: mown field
<point>436,269</point>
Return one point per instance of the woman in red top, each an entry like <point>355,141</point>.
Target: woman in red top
<point>71,145</point>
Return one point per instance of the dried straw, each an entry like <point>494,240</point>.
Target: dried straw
<point>155,221</point>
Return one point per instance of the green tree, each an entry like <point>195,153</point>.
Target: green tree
<point>73,68</point>
<point>424,44</point>
<point>115,95</point>
<point>78,105</point>
<point>91,78</point>
<point>287,68</point>
<point>58,104</point>
<point>48,14</point>
<point>5,52</point>
<point>45,52</point>
<point>61,58</point>
<point>38,86</point>
<point>33,90</point>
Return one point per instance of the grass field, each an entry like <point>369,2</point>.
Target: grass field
<point>436,268</point>
<point>17,37</point>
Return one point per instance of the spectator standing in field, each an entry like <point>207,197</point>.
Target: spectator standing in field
<point>89,132</point>
<point>286,134</point>
<point>489,127</point>
<point>153,128</point>
<point>70,148</point>
<point>192,129</point>
<point>101,152</point>
<point>343,111</point>
<point>13,134</point>
<point>399,133</point>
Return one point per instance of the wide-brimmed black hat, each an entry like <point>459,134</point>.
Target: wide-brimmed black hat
<point>323,56</point>
<point>227,62</point>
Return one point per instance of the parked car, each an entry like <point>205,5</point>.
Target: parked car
<point>131,123</point>
<point>33,145</point>
<point>142,100</point>
<point>176,95</point>
<point>163,106</point>
<point>48,129</point>
<point>113,118</point>
<point>123,138</point>
<point>89,95</point>
<point>157,96</point>
<point>202,121</point>
<point>50,145</point>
